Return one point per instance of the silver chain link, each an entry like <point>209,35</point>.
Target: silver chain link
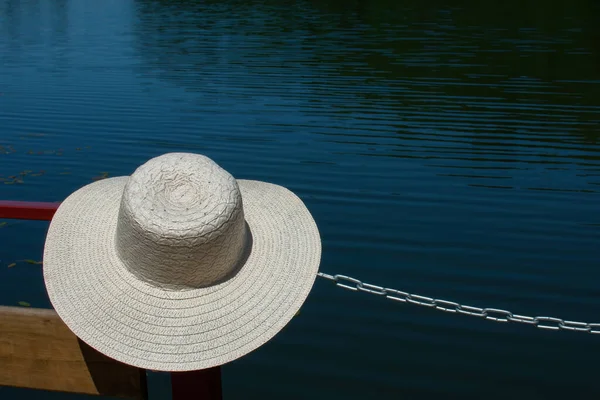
<point>492,314</point>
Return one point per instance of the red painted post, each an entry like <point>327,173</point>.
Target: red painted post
<point>27,210</point>
<point>203,384</point>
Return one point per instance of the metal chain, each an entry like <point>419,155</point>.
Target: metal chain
<point>492,314</point>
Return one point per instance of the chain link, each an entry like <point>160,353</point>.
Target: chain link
<point>492,314</point>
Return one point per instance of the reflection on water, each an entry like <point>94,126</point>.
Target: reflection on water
<point>448,151</point>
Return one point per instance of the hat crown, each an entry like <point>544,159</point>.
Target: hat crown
<point>181,222</point>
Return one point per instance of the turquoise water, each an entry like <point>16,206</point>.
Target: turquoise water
<point>447,151</point>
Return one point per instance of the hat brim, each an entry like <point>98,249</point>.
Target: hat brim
<point>131,321</point>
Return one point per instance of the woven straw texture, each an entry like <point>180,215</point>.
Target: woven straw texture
<point>124,279</point>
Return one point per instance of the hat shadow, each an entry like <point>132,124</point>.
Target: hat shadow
<point>111,377</point>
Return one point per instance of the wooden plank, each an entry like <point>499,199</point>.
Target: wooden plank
<point>202,384</point>
<point>38,351</point>
<point>32,210</point>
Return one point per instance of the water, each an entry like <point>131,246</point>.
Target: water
<point>449,151</point>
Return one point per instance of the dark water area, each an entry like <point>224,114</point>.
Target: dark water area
<point>444,148</point>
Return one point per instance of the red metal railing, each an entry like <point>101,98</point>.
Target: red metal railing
<point>27,210</point>
<point>202,384</point>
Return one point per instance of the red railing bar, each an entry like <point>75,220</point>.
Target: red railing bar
<point>33,210</point>
<point>203,384</point>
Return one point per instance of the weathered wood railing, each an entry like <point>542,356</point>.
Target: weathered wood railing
<point>38,351</point>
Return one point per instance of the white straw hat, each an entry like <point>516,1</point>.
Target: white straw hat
<point>179,266</point>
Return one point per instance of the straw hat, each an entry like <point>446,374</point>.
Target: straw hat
<point>179,266</point>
